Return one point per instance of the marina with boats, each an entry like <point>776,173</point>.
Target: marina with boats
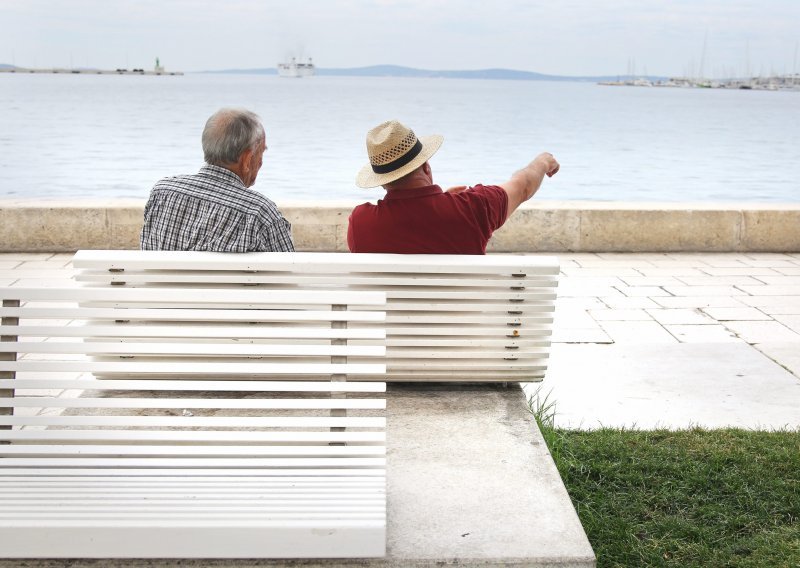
<point>789,82</point>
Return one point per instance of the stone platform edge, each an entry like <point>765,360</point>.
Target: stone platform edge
<point>539,226</point>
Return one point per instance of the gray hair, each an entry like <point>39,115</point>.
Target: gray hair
<point>228,133</point>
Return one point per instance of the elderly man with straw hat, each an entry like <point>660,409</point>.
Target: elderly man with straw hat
<point>417,216</point>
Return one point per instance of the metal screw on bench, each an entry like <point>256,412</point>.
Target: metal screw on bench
<point>8,393</point>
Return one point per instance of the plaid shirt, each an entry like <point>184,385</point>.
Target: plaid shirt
<point>212,211</point>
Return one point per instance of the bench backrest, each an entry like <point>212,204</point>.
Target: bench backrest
<point>449,317</point>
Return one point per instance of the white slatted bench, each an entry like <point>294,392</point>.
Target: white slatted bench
<point>231,430</point>
<point>449,317</point>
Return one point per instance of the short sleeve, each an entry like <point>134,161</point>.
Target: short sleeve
<point>493,208</point>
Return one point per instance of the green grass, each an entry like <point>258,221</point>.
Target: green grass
<point>682,498</point>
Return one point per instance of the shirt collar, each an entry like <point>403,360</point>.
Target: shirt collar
<point>221,173</point>
<point>424,191</point>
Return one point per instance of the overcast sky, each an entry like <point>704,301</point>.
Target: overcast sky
<point>563,37</point>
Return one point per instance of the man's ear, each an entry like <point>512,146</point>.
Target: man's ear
<point>245,160</point>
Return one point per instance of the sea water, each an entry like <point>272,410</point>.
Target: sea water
<point>105,136</point>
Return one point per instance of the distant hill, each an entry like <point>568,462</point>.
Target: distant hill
<point>400,71</point>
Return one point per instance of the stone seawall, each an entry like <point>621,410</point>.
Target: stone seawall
<point>539,226</point>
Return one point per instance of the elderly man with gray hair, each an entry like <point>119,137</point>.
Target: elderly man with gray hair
<point>214,210</point>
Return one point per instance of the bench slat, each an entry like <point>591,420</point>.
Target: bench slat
<point>188,331</point>
<point>197,421</point>
<point>205,349</point>
<point>178,462</point>
<point>192,451</point>
<point>128,314</point>
<point>172,296</point>
<point>313,262</point>
<point>206,436</point>
<point>197,403</point>
<point>162,368</point>
<point>188,385</point>
<point>380,281</point>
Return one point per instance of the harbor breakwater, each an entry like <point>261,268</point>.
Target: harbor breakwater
<point>538,226</point>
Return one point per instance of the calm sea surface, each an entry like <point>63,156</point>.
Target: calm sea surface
<point>64,136</point>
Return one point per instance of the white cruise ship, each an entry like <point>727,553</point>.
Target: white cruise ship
<point>295,68</point>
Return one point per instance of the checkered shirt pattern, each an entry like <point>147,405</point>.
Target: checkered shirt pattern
<point>212,211</point>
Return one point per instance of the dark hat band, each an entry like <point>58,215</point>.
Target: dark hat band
<point>399,162</point>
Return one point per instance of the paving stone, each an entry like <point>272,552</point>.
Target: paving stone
<point>773,305</point>
<point>620,315</point>
<point>783,280</point>
<point>763,331</point>
<point>787,355</point>
<point>636,256</point>
<point>637,332</point>
<point>671,271</point>
<point>719,280</point>
<point>651,281</point>
<point>763,290</point>
<point>706,333</point>
<point>729,314</point>
<point>578,303</point>
<point>713,385</point>
<point>624,302</point>
<point>744,271</point>
<point>576,290</point>
<point>25,256</point>
<point>643,291</point>
<point>46,264</point>
<point>573,319</point>
<point>790,321</point>
<point>679,316</point>
<point>770,263</point>
<point>579,335</point>
<point>586,272</point>
<point>700,302</point>
<point>704,291</point>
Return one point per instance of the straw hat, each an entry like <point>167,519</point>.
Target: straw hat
<point>394,151</point>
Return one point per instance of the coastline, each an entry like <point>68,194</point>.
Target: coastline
<point>538,226</point>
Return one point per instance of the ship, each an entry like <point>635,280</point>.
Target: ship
<point>295,68</point>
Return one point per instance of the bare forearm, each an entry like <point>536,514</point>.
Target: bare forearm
<point>527,181</point>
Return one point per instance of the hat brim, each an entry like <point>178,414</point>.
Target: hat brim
<point>367,178</point>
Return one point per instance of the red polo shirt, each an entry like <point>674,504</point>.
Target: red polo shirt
<point>427,220</point>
